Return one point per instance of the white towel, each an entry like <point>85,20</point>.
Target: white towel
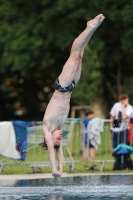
<point>8,141</point>
<point>95,128</point>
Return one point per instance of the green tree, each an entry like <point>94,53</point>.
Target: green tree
<point>118,57</point>
<point>35,40</point>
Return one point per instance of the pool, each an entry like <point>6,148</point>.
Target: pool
<point>91,187</point>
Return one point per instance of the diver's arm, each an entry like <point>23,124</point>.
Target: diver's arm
<point>59,154</point>
<point>50,145</point>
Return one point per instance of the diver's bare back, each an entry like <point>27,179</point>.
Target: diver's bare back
<point>57,110</point>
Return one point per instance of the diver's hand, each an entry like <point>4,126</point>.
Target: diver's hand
<point>60,171</point>
<point>56,174</point>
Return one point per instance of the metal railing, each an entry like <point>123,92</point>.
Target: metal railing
<point>38,157</point>
<point>73,147</point>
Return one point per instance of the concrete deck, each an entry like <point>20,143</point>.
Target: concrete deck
<point>48,175</point>
<point>35,176</point>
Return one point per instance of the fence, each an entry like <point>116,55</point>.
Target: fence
<point>73,147</point>
<point>37,156</point>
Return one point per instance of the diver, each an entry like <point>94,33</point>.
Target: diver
<point>58,107</point>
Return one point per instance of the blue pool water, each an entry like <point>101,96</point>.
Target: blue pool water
<point>95,187</point>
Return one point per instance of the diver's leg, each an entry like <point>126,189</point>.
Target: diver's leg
<point>70,70</point>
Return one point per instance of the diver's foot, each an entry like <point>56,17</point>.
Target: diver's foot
<point>94,23</point>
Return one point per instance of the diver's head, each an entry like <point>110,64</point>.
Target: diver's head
<point>57,138</point>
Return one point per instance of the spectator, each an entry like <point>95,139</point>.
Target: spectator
<point>86,142</point>
<point>120,115</point>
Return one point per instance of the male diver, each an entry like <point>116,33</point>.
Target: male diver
<point>58,107</point>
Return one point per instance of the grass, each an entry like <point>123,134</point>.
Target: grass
<point>26,169</point>
<point>37,154</point>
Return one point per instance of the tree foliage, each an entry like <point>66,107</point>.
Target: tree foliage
<point>35,40</point>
